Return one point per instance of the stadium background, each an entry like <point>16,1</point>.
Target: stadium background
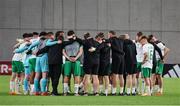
<point>158,17</point>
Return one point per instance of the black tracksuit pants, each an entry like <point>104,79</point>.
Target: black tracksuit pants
<point>54,73</point>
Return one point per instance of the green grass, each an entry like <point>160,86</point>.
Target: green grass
<point>171,97</point>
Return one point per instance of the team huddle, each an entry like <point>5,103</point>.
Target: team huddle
<point>107,62</point>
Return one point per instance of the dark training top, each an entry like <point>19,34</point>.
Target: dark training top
<point>105,53</point>
<point>90,57</point>
<point>117,47</point>
<point>130,52</point>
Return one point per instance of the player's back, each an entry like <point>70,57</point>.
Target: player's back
<point>149,49</point>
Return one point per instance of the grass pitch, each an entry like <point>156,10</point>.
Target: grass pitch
<point>171,96</point>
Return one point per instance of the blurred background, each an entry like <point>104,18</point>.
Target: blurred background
<point>158,17</point>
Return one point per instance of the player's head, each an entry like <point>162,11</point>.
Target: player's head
<point>87,35</point>
<point>144,40</point>
<point>70,34</point>
<point>50,35</point>
<point>152,38</point>
<point>43,35</point>
<point>99,36</point>
<point>35,34</point>
<point>59,35</point>
<point>125,36</point>
<point>26,37</point>
<point>138,36</point>
<point>111,34</point>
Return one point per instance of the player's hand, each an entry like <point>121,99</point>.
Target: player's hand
<point>163,61</point>
<point>20,40</point>
<point>109,44</point>
<point>34,53</point>
<point>59,41</point>
<point>73,59</point>
<point>28,43</point>
<point>100,41</point>
<point>92,49</point>
<point>70,59</point>
<point>29,52</point>
<point>74,37</point>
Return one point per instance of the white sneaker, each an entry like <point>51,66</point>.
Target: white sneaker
<point>26,92</point>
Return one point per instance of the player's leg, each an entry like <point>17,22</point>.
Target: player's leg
<point>86,84</point>
<point>37,76</point>
<point>146,75</point>
<point>128,68</point>
<point>134,84</point>
<point>32,64</point>
<point>138,79</point>
<point>154,77</point>
<point>77,73</point>
<point>19,77</point>
<point>106,78</point>
<point>121,77</point>
<point>57,70</point>
<point>44,70</point>
<point>129,83</point>
<point>26,80</point>
<point>95,84</point>
<point>13,77</point>
<point>67,74</point>
<point>81,85</point>
<point>121,80</point>
<point>12,83</point>
<point>115,69</point>
<point>100,77</point>
<point>159,73</point>
<point>95,79</point>
<point>18,83</point>
<point>106,83</point>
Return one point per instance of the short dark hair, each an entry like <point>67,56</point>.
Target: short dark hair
<point>144,37</point>
<point>58,36</point>
<point>25,35</point>
<point>112,32</point>
<point>139,34</point>
<point>43,33</point>
<point>61,31</point>
<point>100,34</point>
<point>35,33</point>
<point>150,37</point>
<point>50,33</point>
<point>122,37</point>
<point>70,32</point>
<point>30,35</point>
<point>87,35</point>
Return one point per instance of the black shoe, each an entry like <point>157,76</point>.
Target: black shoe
<point>133,94</point>
<point>121,94</point>
<point>85,94</point>
<point>55,94</point>
<point>113,94</point>
<point>127,94</point>
<point>96,94</point>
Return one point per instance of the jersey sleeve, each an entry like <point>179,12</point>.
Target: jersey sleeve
<point>161,46</point>
<point>145,49</point>
<point>51,42</point>
<point>34,44</point>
